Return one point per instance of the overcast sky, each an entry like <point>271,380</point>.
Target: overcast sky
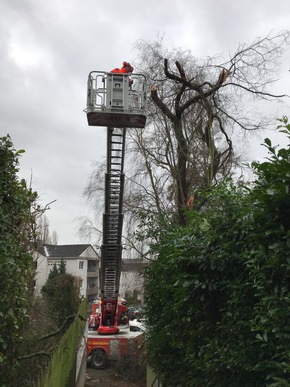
<point>47,49</point>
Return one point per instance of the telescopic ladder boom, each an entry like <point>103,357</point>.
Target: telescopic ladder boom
<point>112,101</point>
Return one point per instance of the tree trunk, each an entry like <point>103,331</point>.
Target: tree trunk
<point>181,181</point>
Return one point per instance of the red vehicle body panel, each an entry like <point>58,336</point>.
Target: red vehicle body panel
<point>115,346</point>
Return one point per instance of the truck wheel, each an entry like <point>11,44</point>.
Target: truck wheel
<point>99,359</point>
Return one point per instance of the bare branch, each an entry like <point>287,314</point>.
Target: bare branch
<point>59,330</point>
<point>37,354</point>
<point>161,104</point>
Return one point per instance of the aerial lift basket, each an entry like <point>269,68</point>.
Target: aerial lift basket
<point>116,100</point>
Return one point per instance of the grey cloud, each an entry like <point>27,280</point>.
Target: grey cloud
<point>42,100</point>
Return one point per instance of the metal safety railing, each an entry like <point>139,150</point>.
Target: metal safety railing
<point>118,100</point>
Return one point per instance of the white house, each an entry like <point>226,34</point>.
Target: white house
<point>82,261</point>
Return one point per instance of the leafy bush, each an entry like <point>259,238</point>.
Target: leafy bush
<point>61,294</point>
<point>17,225</point>
<point>218,295</point>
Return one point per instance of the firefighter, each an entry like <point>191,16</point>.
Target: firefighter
<point>125,69</point>
<point>94,321</point>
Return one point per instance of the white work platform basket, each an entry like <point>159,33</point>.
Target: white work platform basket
<point>116,100</point>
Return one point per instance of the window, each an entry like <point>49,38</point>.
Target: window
<point>52,262</point>
<point>81,265</point>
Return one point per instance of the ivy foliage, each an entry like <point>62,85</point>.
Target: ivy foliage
<point>218,294</point>
<point>17,225</point>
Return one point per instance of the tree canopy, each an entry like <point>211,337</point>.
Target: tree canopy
<point>197,110</point>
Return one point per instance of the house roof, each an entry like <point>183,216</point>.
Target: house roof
<point>62,251</point>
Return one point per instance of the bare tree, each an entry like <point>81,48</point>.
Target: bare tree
<point>54,238</point>
<point>195,110</point>
<point>43,230</point>
<point>195,113</point>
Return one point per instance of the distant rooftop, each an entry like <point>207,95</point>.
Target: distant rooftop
<point>62,251</point>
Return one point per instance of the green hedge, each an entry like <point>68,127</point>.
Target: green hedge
<point>64,358</point>
<point>218,295</point>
